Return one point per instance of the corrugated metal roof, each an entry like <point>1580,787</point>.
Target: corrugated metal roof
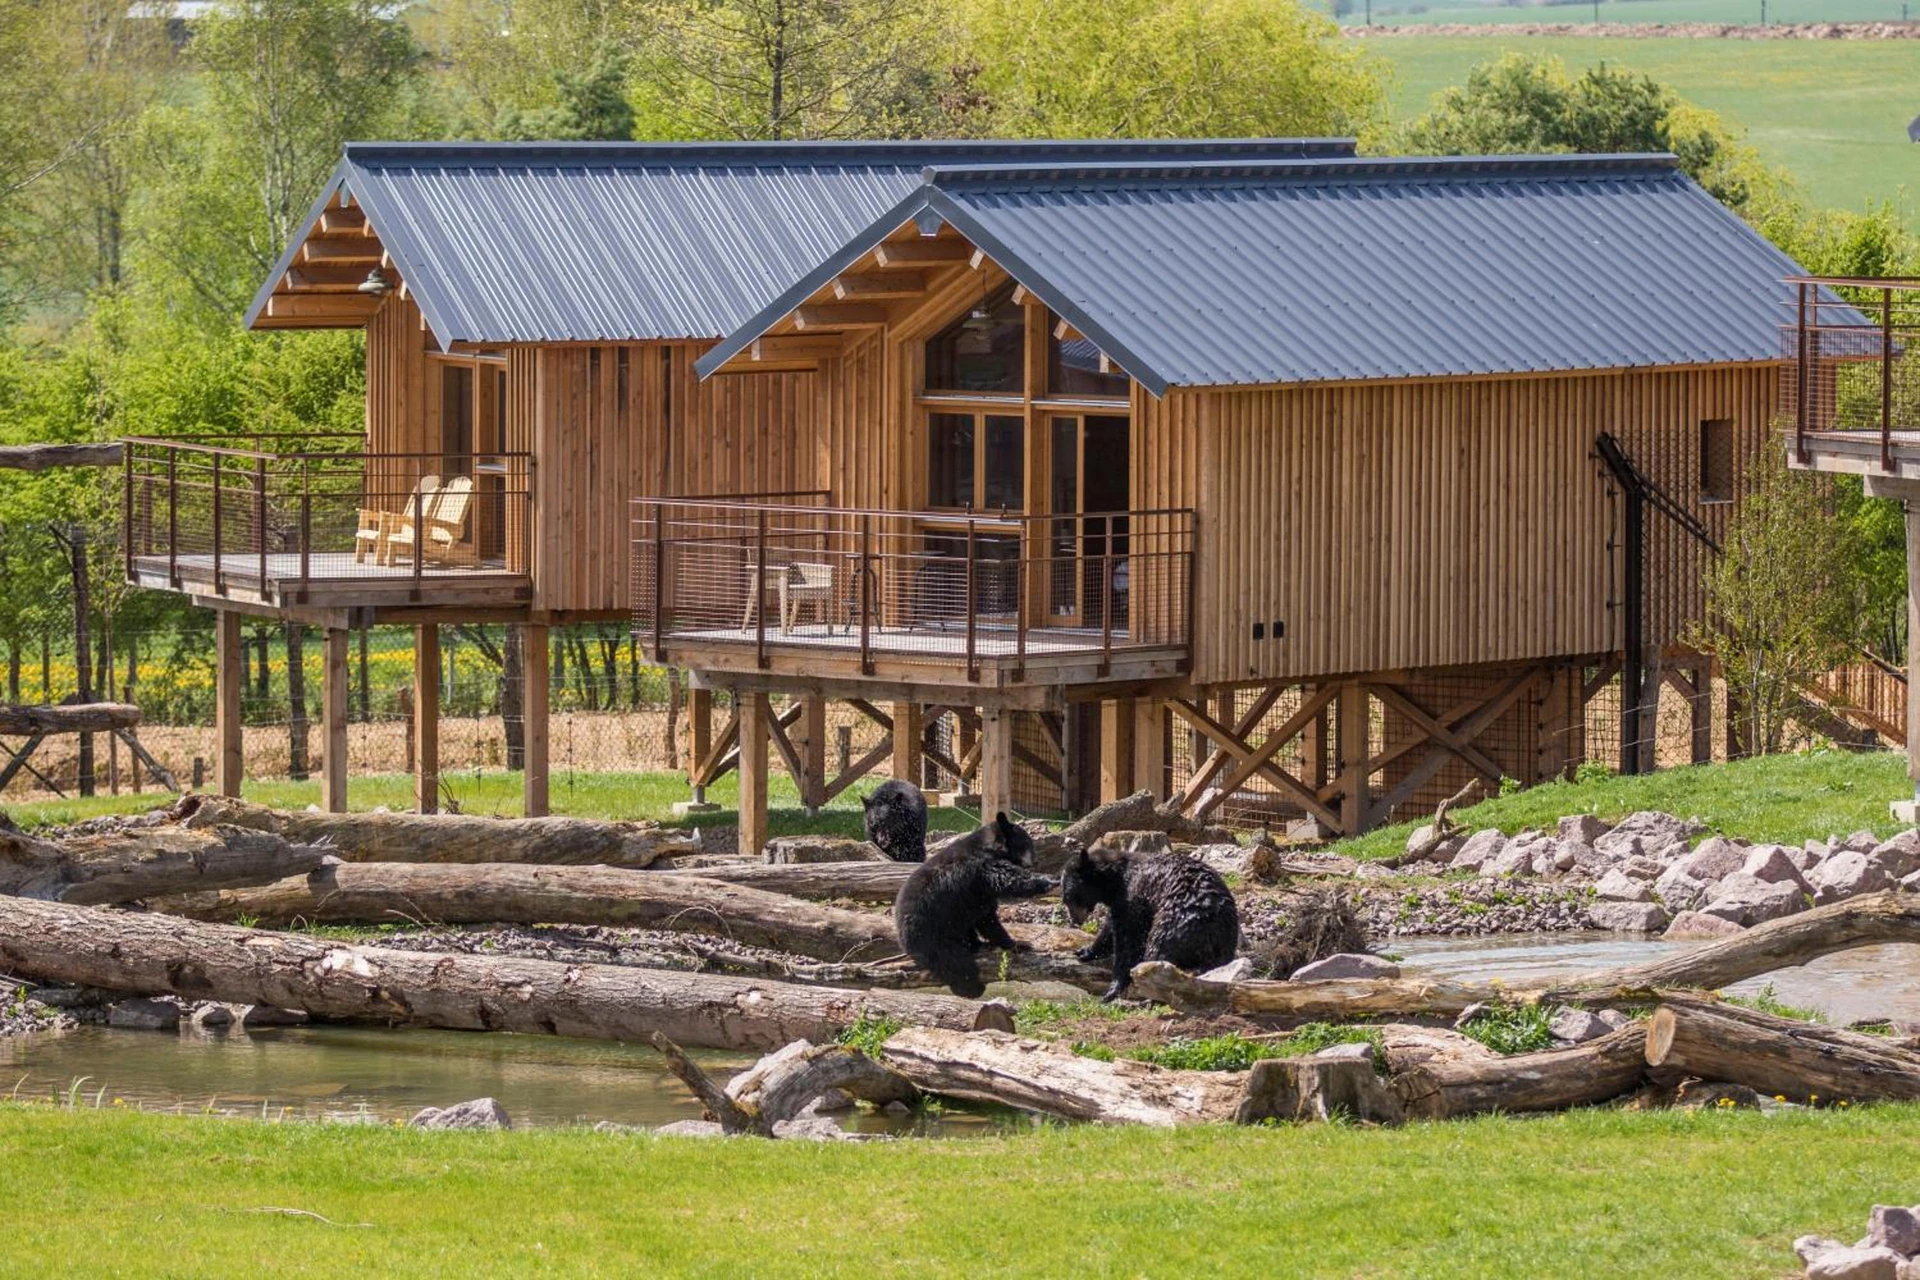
<point>1237,272</point>
<point>555,242</point>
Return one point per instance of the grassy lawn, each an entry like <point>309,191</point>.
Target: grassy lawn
<point>1779,798</point>
<point>1593,1193</point>
<point>1833,113</point>
<point>1399,12</point>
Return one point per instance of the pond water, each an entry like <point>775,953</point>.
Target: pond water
<point>350,1073</point>
<point>1868,982</point>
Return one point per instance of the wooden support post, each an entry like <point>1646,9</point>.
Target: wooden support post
<point>1116,749</point>
<point>964,740</point>
<point>230,674</point>
<point>1700,712</point>
<point>1150,746</point>
<point>996,762</point>
<point>1913,642</point>
<point>753,713</point>
<point>426,718</point>
<point>1317,746</point>
<point>909,724</point>
<point>1652,684</point>
<point>536,671</point>
<point>1355,729</point>
<point>333,723</point>
<point>700,735</point>
<point>810,744</point>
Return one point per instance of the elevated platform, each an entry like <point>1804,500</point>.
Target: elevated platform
<point>329,580</point>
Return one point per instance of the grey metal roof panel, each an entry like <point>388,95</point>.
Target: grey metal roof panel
<point>555,242</point>
<point>1246,272</point>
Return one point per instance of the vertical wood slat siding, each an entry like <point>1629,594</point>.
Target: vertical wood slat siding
<point>1434,524</point>
<point>403,401</point>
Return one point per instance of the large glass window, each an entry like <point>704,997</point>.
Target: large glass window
<point>976,460</point>
<point>1073,369</point>
<point>950,468</point>
<point>983,352</point>
<point>1006,469</point>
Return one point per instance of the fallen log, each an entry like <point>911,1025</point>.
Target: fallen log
<point>1332,999</point>
<point>85,717</point>
<point>787,1081</point>
<point>45,457</point>
<point>1051,1079</point>
<point>851,881</point>
<point>415,837</point>
<point>1409,1046</point>
<point>1021,966</point>
<point>158,955</point>
<point>98,870</point>
<point>1141,812</point>
<point>1776,1056</point>
<point>1599,1070</point>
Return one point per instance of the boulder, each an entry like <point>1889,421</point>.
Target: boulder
<point>1652,828</point>
<point>1697,924</point>
<point>691,1129</point>
<point>211,1017</point>
<point>1895,1227</point>
<point>1845,874</point>
<point>1848,1262</point>
<point>1347,964</point>
<point>1134,842</point>
<point>1860,842</point>
<point>266,1015</point>
<point>144,1015</point>
<point>1716,857</point>
<point>1227,859</point>
<point>478,1113</point>
<point>1617,886</point>
<point>1680,891</point>
<point>1641,867</point>
<point>790,850</point>
<point>1238,969</point>
<point>1616,1019</point>
<point>1900,855</point>
<point>1628,917</point>
<point>1589,861</point>
<point>1746,900</point>
<point>1577,1026</point>
<point>1803,858</point>
<point>1479,847</point>
<point>1911,883</point>
<point>1582,828</point>
<point>1771,863</point>
<point>1514,860</point>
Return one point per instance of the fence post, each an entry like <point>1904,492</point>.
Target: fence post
<point>1886,379</point>
<point>306,528</point>
<point>659,582</point>
<point>218,588</point>
<point>973,666</point>
<point>760,591</point>
<point>173,518</point>
<point>260,517</point>
<point>126,508</point>
<point>1804,374</point>
<point>866,594</point>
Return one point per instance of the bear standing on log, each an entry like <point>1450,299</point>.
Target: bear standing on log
<point>1160,906</point>
<point>950,906</point>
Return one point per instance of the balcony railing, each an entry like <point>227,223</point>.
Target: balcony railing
<point>767,573</point>
<point>318,526</point>
<point>1852,353</point>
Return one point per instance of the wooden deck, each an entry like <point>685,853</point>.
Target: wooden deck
<point>331,580</point>
<point>1859,453</point>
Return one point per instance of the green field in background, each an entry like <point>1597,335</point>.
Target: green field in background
<point>1402,13</point>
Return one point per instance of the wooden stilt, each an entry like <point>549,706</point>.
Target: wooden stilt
<point>426,718</point>
<point>1355,730</point>
<point>333,723</point>
<point>1316,745</point>
<point>1150,746</point>
<point>1116,749</point>
<point>909,724</point>
<point>966,739</point>
<point>536,670</point>
<point>753,713</point>
<point>810,744</point>
<point>996,762</point>
<point>230,674</point>
<point>700,738</point>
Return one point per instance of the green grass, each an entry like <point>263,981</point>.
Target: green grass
<point>1595,1193</point>
<point>1779,798</point>
<point>1766,1001</point>
<point>1510,1029</point>
<point>1401,12</point>
<point>1833,113</point>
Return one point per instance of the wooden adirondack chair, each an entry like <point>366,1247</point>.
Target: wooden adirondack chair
<point>442,537</point>
<point>377,526</point>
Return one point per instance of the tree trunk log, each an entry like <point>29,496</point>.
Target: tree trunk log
<point>784,1083</point>
<point>1777,1056</point>
<point>850,881</point>
<point>1334,999</point>
<point>1596,1071</point>
<point>1053,1080</point>
<point>1022,966</point>
<point>1141,812</point>
<point>97,870</point>
<point>90,717</point>
<point>1409,1046</point>
<point>45,457</point>
<point>157,955</point>
<point>434,893</point>
<point>416,837</point>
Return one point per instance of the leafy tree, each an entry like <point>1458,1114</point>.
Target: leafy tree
<point>1161,68</point>
<point>500,55</point>
<point>593,106</point>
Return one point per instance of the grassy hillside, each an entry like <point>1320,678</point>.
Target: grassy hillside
<point>1832,113</point>
<point>1403,12</point>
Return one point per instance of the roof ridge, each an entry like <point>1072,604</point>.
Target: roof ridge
<point>1033,151</point>
<point>1649,164</point>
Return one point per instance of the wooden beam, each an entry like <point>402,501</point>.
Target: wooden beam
<point>333,723</point>
<point>537,676</point>
<point>1220,735</point>
<point>328,279</point>
<point>426,718</point>
<point>45,457</point>
<point>230,674</point>
<point>1150,746</point>
<point>868,286</point>
<point>326,306</point>
<point>365,252</point>
<point>824,346</point>
<point>909,253</point>
<point>842,315</point>
<point>699,739</point>
<point>1116,749</point>
<point>996,763</point>
<point>755,719</point>
<point>909,733</point>
<point>1065,331</point>
<point>342,222</point>
<point>1021,296</point>
<point>812,741</point>
<point>1355,727</point>
<point>1424,721</point>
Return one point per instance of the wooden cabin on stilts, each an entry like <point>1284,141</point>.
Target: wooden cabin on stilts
<point>1281,483</point>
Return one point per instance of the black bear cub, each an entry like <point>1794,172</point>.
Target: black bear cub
<point>949,906</point>
<point>896,817</point>
<point>1160,906</point>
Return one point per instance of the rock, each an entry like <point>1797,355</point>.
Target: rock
<point>1900,855</point>
<point>1479,847</point>
<point>808,1127</point>
<point>1747,900</point>
<point>1652,828</point>
<point>1846,1262</point>
<point>1577,1026</point>
<point>833,1100</point>
<point>478,1113</point>
<point>1716,858</point>
<point>265,1015</point>
<point>1628,917</point>
<point>1771,863</point>
<point>1134,842</point>
<point>1895,1227</point>
<point>1845,874</point>
<point>1226,859</point>
<point>1911,883</point>
<point>1860,842</point>
<point>1238,969</point>
<point>1679,890</point>
<point>790,850</point>
<point>1419,837</point>
<point>143,1015</point>
<point>1617,886</point>
<point>1616,1019</point>
<point>209,1017</point>
<point>1696,924</point>
<point>1552,857</point>
<point>1347,964</point>
<point>1587,860</point>
<point>691,1129</point>
<point>1582,828</point>
<point>1514,860</point>
<point>896,1109</point>
<point>1810,1247</point>
<point>1805,859</point>
<point>1641,867</point>
<point>1361,1052</point>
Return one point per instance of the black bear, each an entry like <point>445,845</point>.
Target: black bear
<point>896,817</point>
<point>949,906</point>
<point>1160,906</point>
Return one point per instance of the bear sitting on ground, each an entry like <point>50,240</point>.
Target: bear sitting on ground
<point>896,817</point>
<point>949,906</point>
<point>1160,906</point>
